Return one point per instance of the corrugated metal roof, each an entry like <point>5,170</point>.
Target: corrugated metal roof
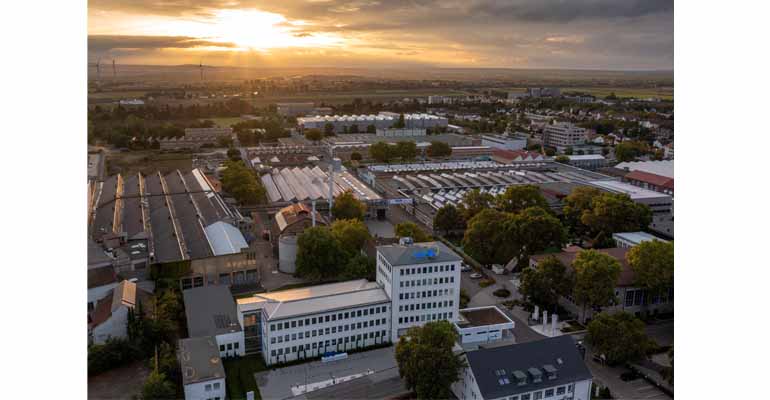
<point>225,238</point>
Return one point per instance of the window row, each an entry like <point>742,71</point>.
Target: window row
<point>328,318</point>
<point>426,306</point>
<point>640,297</point>
<point>229,346</point>
<point>425,293</point>
<point>332,342</point>
<point>427,281</point>
<point>327,331</point>
<point>540,394</point>
<point>424,317</point>
<point>216,386</point>
<point>426,270</point>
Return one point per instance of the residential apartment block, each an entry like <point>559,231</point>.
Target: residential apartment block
<point>563,134</point>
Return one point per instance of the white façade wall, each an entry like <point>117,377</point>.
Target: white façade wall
<point>114,327</point>
<point>231,344</point>
<point>466,388</point>
<point>197,391</point>
<point>583,390</point>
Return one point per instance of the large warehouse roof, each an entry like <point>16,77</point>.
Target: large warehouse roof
<point>311,184</point>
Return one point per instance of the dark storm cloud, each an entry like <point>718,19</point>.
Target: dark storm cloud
<point>106,43</point>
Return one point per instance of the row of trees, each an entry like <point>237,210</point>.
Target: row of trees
<point>589,212</point>
<point>594,275</point>
<point>241,182</point>
<point>385,152</point>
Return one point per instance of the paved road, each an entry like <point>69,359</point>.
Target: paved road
<point>381,385</point>
<point>277,383</point>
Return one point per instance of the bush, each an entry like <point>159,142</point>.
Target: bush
<point>112,354</point>
<point>502,293</point>
<point>464,298</point>
<point>486,282</point>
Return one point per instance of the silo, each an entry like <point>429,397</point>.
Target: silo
<point>287,253</point>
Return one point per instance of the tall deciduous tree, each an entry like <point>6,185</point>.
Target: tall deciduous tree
<point>426,361</point>
<point>406,150</point>
<point>545,284</point>
<point>474,202</point>
<point>518,197</point>
<point>157,387</point>
<point>615,212</point>
<point>313,135</point>
<point>439,149</point>
<point>346,206</point>
<point>530,232</point>
<point>484,236</point>
<point>410,229</point>
<point>596,275</point>
<point>619,336</point>
<point>578,202</point>
<point>381,152</point>
<point>351,233</point>
<point>448,218</point>
<point>318,254</point>
<point>653,264</point>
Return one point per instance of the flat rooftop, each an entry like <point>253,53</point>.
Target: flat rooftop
<point>199,359</point>
<point>637,237</point>
<point>307,183</point>
<point>418,253</point>
<point>635,192</point>
<point>663,167</point>
<point>210,311</point>
<point>315,299</point>
<point>482,316</point>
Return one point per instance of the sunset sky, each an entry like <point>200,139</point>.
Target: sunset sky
<point>590,34</point>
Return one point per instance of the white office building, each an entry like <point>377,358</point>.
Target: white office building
<point>563,134</point>
<point>548,369</point>
<point>383,120</point>
<point>661,205</point>
<point>627,240</point>
<point>423,282</point>
<point>303,323</point>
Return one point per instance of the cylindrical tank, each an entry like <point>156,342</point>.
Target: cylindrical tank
<point>287,254</point>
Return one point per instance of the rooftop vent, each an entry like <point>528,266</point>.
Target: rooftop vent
<point>536,374</point>
<point>521,378</point>
<point>550,371</point>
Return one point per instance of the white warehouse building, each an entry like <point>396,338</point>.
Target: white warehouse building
<point>383,120</point>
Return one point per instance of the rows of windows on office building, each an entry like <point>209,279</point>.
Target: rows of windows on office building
<point>536,395</point>
<point>215,386</point>
<point>640,297</point>
<point>327,343</point>
<point>327,318</point>
<point>426,270</point>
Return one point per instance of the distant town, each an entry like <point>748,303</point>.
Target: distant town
<point>354,236</point>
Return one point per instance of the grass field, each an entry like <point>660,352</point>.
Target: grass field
<point>347,97</point>
<point>226,122</point>
<point>641,93</point>
<point>147,162</point>
<point>240,376</point>
<point>130,94</point>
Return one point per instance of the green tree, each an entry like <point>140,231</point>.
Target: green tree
<point>518,197</point>
<point>359,266</point>
<point>619,336</point>
<point>568,151</point>
<point>550,152</point>
<point>313,135</point>
<point>241,182</point>
<point>233,154</point>
<point>381,152</point>
<point>426,361</point>
<point>615,212</point>
<point>329,129</point>
<point>351,233</point>
<point>596,275</point>
<point>157,387</point>
<point>474,202</point>
<point>548,282</point>
<point>400,123</point>
<point>484,236</point>
<point>530,232</point>
<point>629,151</point>
<point>406,150</point>
<point>371,129</point>
<point>439,149</point>
<point>318,254</point>
<point>353,129</point>
<point>562,159</point>
<point>448,218</point>
<point>576,203</point>
<point>346,206</point>
<point>410,229</point>
<point>356,156</point>
<point>653,264</point>
<point>224,141</point>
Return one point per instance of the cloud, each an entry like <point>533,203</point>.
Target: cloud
<point>601,34</point>
<point>105,43</point>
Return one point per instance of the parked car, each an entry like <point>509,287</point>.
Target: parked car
<point>465,268</point>
<point>475,275</point>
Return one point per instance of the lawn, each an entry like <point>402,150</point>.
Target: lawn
<point>146,162</point>
<point>226,122</point>
<point>240,376</point>
<point>639,93</point>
